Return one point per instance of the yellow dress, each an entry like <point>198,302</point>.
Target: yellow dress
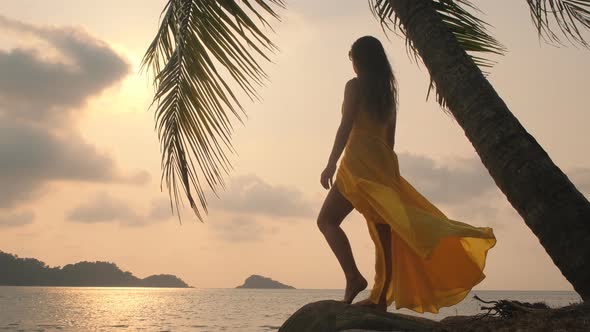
<point>435,260</point>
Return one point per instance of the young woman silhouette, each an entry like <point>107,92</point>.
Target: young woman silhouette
<point>424,260</point>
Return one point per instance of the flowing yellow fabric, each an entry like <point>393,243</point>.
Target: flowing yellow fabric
<point>435,260</point>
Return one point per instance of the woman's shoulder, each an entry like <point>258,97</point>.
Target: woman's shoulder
<point>353,83</point>
<point>352,88</point>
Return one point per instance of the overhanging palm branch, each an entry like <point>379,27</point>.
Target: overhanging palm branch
<point>470,31</point>
<point>198,42</point>
<point>568,15</point>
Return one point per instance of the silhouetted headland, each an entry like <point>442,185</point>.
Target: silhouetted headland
<point>257,281</point>
<point>15,271</point>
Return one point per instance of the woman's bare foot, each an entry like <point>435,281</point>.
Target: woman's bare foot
<point>353,287</point>
<point>368,303</point>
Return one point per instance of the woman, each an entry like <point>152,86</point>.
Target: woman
<point>424,261</point>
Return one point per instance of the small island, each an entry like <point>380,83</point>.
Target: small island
<point>258,281</point>
<point>17,271</point>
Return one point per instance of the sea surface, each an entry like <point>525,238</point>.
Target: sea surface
<point>193,309</point>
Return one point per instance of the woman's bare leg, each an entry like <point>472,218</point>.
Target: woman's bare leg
<point>384,232</point>
<point>336,207</point>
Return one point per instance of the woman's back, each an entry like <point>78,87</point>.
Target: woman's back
<point>374,127</point>
<point>369,149</point>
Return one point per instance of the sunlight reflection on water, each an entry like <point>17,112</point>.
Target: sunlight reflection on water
<point>162,309</point>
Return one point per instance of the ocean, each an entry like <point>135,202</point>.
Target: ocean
<point>193,309</point>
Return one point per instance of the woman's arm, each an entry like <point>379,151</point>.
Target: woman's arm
<point>391,131</point>
<point>349,110</point>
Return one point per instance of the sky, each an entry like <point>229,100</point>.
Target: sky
<point>80,160</point>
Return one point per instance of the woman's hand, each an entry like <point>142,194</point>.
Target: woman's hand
<point>327,175</point>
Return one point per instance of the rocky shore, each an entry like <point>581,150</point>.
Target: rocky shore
<point>500,316</point>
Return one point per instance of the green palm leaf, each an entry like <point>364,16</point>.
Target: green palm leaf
<point>568,15</point>
<point>198,43</point>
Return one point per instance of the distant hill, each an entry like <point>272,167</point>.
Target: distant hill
<point>15,271</point>
<point>257,281</point>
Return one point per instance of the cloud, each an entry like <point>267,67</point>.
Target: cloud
<point>104,208</point>
<point>160,209</point>
<point>251,195</point>
<point>465,180</point>
<point>238,229</point>
<point>247,200</point>
<point>467,188</point>
<point>14,220</point>
<point>32,156</point>
<point>37,89</point>
<point>40,99</point>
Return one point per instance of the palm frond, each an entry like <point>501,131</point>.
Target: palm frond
<point>200,43</point>
<point>470,31</point>
<point>570,16</point>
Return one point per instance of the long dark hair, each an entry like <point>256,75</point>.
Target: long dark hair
<point>377,82</point>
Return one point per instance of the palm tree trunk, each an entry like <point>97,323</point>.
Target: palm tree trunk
<point>556,212</point>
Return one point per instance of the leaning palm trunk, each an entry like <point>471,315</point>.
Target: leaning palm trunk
<point>556,212</point>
